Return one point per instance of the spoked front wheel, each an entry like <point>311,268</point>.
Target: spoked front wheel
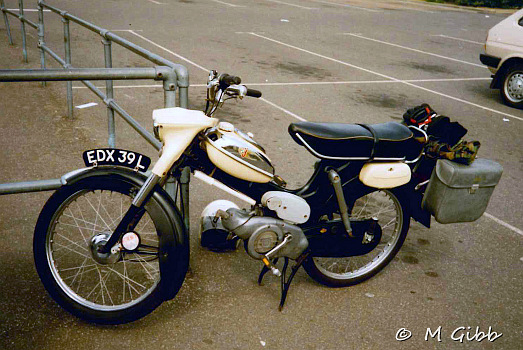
<point>393,219</point>
<point>118,287</point>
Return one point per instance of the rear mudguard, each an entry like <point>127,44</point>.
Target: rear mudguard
<point>174,244</point>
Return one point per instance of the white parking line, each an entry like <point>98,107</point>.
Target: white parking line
<point>415,50</point>
<point>167,50</point>
<point>465,40</point>
<point>87,105</point>
<point>206,70</point>
<point>419,3</point>
<point>227,4</point>
<point>283,110</point>
<point>303,83</point>
<point>503,223</point>
<point>345,5</point>
<point>385,76</point>
<point>294,5</point>
<point>156,2</point>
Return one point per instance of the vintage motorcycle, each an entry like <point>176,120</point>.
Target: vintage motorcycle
<point>111,244</point>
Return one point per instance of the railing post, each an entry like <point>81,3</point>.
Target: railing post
<point>169,89</point>
<point>109,93</point>
<point>183,96</point>
<point>22,23</point>
<point>6,20</point>
<point>67,44</point>
<point>41,38</point>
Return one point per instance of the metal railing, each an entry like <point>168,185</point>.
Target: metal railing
<point>173,76</point>
<point>181,80</point>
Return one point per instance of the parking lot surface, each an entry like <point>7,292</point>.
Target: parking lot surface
<point>350,61</point>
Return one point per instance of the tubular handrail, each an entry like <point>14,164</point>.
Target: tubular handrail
<point>179,78</point>
<point>181,71</point>
<point>173,76</point>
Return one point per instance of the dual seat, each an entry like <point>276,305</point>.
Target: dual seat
<point>336,141</point>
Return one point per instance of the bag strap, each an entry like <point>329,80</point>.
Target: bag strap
<point>374,136</point>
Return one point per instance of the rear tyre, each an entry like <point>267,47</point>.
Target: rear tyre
<point>394,220</point>
<point>512,89</point>
<point>119,288</point>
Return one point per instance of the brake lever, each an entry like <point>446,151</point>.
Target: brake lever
<point>238,90</point>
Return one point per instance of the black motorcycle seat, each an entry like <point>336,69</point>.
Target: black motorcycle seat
<point>344,141</point>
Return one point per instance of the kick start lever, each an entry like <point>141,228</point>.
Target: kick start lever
<point>273,251</point>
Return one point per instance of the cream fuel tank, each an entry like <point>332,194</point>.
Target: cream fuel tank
<point>237,154</point>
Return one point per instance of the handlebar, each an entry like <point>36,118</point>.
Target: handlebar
<point>253,93</point>
<point>226,80</point>
<point>223,87</point>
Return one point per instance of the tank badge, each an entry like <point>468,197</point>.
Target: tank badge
<point>244,152</point>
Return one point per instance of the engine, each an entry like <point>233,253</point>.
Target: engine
<point>223,222</point>
<point>263,234</point>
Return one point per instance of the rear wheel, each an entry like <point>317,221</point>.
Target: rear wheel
<point>394,220</point>
<point>117,287</point>
<point>512,89</point>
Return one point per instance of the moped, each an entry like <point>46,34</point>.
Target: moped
<point>111,244</point>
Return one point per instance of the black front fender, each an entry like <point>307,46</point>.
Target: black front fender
<point>174,240</point>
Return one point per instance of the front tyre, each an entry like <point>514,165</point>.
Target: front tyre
<point>512,89</point>
<point>392,215</point>
<point>118,287</point>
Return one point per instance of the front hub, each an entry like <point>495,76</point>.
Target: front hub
<point>97,242</point>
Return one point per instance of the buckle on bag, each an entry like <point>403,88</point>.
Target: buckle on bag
<point>474,188</point>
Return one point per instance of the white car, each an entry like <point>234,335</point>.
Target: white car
<point>504,57</point>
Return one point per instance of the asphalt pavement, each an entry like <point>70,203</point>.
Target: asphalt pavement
<point>350,61</point>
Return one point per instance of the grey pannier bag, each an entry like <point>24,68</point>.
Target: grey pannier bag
<point>458,192</point>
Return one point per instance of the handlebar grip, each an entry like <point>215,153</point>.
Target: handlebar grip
<point>253,93</point>
<point>227,79</point>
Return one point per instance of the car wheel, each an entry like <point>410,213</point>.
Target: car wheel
<point>512,89</point>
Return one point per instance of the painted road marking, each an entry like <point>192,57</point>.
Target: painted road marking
<point>414,50</point>
<point>156,2</point>
<point>227,4</point>
<point>306,83</point>
<point>167,50</point>
<point>206,70</point>
<point>87,105</point>
<point>126,30</point>
<point>448,7</point>
<point>465,40</point>
<point>283,110</point>
<point>294,5</point>
<point>503,223</point>
<point>385,76</point>
<point>345,5</point>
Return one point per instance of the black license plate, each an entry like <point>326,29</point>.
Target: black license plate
<point>113,156</point>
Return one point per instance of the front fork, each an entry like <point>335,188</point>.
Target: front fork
<point>136,210</point>
<point>133,214</point>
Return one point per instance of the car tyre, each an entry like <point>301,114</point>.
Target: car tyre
<point>512,88</point>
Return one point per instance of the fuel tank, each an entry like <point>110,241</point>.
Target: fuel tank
<point>237,154</point>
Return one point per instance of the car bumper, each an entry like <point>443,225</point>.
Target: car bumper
<point>490,61</point>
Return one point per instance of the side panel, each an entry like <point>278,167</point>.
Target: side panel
<point>385,175</point>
